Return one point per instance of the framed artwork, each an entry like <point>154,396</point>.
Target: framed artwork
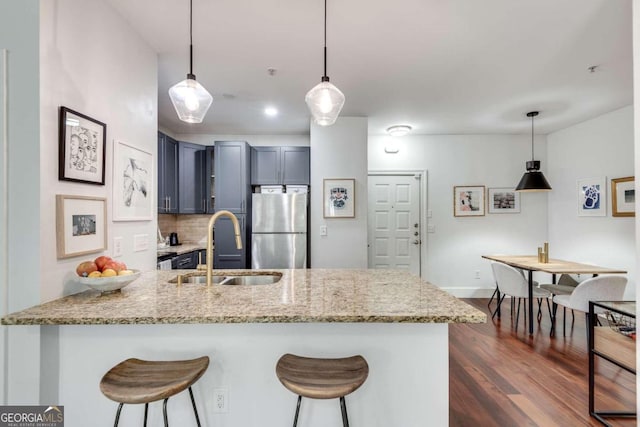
<point>468,200</point>
<point>82,142</point>
<point>623,196</point>
<point>592,197</point>
<point>339,198</point>
<point>132,183</point>
<point>81,225</point>
<point>503,200</point>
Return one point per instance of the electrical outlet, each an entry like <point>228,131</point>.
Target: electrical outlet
<point>117,246</point>
<point>323,230</point>
<point>431,228</point>
<point>429,213</point>
<point>477,274</point>
<point>140,242</point>
<point>220,400</point>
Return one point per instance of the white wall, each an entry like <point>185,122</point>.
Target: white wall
<point>600,147</point>
<point>254,140</point>
<point>93,62</point>
<point>454,251</point>
<point>20,197</point>
<point>339,151</point>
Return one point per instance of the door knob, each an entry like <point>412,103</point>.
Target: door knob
<point>417,242</point>
<point>416,233</point>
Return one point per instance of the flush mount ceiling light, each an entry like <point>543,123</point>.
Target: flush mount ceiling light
<point>399,130</point>
<point>533,179</point>
<point>190,99</point>
<point>325,100</point>
<point>271,111</point>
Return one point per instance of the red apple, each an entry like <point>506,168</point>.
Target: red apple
<point>114,265</point>
<point>101,261</point>
<point>86,267</point>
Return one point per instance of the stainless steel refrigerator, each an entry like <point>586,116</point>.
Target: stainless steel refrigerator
<point>279,231</point>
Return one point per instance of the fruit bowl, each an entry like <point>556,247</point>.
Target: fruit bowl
<point>109,284</point>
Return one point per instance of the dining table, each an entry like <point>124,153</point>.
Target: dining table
<point>530,263</point>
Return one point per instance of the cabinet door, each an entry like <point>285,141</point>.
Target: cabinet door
<point>232,186</point>
<point>185,261</point>
<point>191,178</point>
<point>210,179</point>
<point>226,254</point>
<point>295,165</point>
<point>167,174</point>
<point>265,165</point>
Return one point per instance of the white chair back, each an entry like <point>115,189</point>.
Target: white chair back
<point>601,288</point>
<point>510,281</point>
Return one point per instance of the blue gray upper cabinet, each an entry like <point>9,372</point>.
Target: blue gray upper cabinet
<point>280,165</point>
<point>167,174</point>
<point>191,178</point>
<point>232,161</point>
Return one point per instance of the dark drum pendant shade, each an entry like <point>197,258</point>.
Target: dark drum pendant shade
<point>533,179</point>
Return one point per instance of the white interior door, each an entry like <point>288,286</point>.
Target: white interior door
<point>394,234</point>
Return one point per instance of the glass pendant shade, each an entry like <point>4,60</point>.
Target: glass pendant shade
<point>190,99</point>
<point>325,102</point>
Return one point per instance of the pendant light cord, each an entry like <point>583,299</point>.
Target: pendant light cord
<point>325,38</point>
<point>191,38</point>
<point>532,157</point>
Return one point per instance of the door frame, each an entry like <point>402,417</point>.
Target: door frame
<point>422,178</point>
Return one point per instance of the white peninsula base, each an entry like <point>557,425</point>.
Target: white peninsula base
<point>408,384</point>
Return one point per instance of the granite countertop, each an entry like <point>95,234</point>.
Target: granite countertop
<point>182,248</point>
<point>304,295</point>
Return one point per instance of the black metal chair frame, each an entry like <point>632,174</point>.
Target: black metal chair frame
<point>343,409</point>
<point>164,411</point>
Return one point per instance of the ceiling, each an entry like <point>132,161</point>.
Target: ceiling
<point>441,66</point>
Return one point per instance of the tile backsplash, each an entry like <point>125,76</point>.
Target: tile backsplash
<point>190,228</point>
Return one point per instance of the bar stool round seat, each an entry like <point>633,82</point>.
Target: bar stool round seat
<point>319,378</point>
<point>136,381</point>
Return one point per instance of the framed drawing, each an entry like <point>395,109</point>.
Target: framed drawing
<point>592,197</point>
<point>132,183</point>
<point>82,142</point>
<point>339,198</point>
<point>623,196</point>
<point>81,225</point>
<point>503,200</point>
<point>468,200</point>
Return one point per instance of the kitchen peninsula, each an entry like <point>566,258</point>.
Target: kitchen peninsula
<point>395,320</point>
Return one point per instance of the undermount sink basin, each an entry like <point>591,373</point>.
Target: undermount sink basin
<point>246,280</point>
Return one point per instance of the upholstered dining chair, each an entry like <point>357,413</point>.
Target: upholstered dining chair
<point>565,285</point>
<point>510,281</point>
<point>600,288</point>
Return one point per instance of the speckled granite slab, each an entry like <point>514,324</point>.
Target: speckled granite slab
<point>313,295</point>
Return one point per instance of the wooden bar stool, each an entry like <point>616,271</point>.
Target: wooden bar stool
<point>322,378</point>
<point>144,381</point>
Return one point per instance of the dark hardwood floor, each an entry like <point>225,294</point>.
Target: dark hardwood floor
<point>502,378</point>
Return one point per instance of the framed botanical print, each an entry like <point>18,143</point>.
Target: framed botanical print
<point>623,196</point>
<point>132,183</point>
<point>468,200</point>
<point>592,197</point>
<point>339,198</point>
<point>81,146</point>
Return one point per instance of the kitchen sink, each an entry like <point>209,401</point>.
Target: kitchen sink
<point>238,280</point>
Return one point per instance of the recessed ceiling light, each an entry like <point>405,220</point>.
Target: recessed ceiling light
<point>271,111</point>
<point>399,130</point>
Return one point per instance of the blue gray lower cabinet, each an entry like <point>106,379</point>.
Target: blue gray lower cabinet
<point>188,261</point>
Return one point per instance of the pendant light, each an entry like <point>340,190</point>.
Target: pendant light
<point>533,179</point>
<point>190,99</point>
<point>325,100</point>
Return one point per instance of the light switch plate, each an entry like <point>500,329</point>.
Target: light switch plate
<point>323,230</point>
<point>117,246</point>
<point>431,228</point>
<point>140,242</point>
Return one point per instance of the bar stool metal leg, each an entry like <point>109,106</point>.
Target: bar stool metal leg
<point>146,411</point>
<point>118,414</point>
<point>164,412</point>
<point>195,410</point>
<point>295,418</point>
<point>343,407</point>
